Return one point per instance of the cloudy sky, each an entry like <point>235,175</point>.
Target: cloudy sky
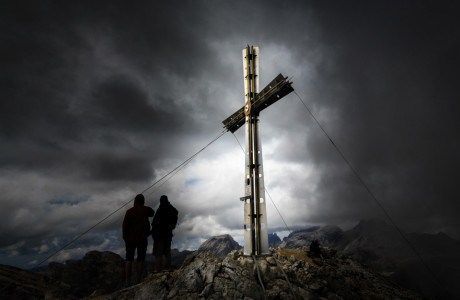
<point>99,101</point>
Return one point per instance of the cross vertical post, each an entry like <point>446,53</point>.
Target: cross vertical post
<point>255,217</point>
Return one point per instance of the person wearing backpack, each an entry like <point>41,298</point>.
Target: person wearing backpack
<point>163,224</point>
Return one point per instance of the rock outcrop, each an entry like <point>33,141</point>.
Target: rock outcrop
<point>287,274</point>
<point>177,258</point>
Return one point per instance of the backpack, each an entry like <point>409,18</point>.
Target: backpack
<point>166,223</point>
<point>172,218</point>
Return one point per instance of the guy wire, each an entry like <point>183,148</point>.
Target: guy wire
<point>145,190</point>
<point>355,172</point>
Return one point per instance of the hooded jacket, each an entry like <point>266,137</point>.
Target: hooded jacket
<point>136,225</point>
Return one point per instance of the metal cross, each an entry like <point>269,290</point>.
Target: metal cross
<point>255,216</point>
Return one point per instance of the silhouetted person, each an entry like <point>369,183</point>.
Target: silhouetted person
<point>136,229</point>
<point>315,250</point>
<point>162,226</point>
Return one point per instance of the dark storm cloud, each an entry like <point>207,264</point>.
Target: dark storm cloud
<point>50,106</point>
<point>119,104</point>
<point>392,78</point>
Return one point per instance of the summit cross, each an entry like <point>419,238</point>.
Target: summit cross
<point>255,215</point>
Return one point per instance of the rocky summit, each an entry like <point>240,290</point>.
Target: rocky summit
<point>286,274</point>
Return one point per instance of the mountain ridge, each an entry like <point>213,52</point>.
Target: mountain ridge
<point>432,270</point>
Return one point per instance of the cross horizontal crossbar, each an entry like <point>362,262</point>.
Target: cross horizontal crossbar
<point>274,91</point>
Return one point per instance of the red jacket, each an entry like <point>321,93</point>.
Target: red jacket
<point>136,225</point>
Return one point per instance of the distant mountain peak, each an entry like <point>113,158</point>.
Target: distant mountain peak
<point>327,236</point>
<point>219,245</point>
<point>273,240</point>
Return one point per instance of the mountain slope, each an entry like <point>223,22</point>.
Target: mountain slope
<point>16,283</point>
<point>433,271</point>
<point>327,236</point>
<point>101,271</point>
